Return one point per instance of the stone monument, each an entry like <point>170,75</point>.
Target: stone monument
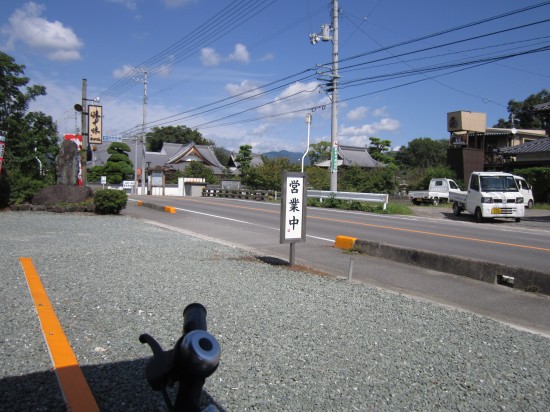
<point>67,163</point>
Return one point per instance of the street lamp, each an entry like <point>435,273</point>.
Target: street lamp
<point>308,121</point>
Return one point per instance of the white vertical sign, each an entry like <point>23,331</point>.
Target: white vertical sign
<point>293,208</point>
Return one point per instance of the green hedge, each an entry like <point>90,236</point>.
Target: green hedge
<point>539,178</point>
<point>109,201</point>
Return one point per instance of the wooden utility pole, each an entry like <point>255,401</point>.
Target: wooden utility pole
<point>84,131</point>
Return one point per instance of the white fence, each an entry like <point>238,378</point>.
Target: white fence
<point>362,197</point>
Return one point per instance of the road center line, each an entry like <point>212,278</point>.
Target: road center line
<point>472,239</point>
<point>75,389</point>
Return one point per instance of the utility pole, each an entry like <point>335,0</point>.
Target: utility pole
<point>334,111</point>
<point>324,35</point>
<point>143,79</point>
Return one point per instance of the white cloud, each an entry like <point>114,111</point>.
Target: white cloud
<point>53,39</point>
<point>240,54</point>
<point>293,100</point>
<point>387,124</point>
<point>260,130</point>
<point>267,57</point>
<point>362,133</point>
<point>123,71</point>
<point>209,57</point>
<point>358,113</point>
<point>381,112</point>
<point>129,4</point>
<point>164,70</point>
<point>245,88</point>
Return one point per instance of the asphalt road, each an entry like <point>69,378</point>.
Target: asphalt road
<point>526,244</point>
<point>255,226</point>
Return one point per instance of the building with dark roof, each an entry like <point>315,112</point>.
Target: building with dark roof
<point>234,166</point>
<point>533,153</point>
<point>353,156</point>
<point>172,157</point>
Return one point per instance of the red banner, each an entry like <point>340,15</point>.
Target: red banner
<point>2,148</point>
<point>77,138</point>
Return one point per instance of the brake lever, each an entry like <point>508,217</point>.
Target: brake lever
<point>158,369</point>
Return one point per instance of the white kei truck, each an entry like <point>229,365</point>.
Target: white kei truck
<point>526,191</point>
<point>490,195</point>
<point>438,192</point>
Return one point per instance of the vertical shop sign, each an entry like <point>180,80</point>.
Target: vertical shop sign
<point>293,208</point>
<point>95,124</point>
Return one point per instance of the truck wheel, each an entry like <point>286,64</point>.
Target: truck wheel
<point>435,202</point>
<point>457,210</point>
<point>478,215</point>
<point>530,204</point>
<point>518,219</point>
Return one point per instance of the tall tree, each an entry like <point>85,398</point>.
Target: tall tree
<point>423,153</point>
<point>522,114</point>
<point>174,134</point>
<point>244,157</point>
<point>31,144</point>
<point>199,169</point>
<point>117,168</point>
<point>378,149</point>
<point>318,152</point>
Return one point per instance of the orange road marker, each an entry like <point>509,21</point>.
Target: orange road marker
<point>344,242</point>
<point>75,389</point>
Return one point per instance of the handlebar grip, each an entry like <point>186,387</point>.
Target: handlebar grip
<point>194,318</point>
<point>200,352</point>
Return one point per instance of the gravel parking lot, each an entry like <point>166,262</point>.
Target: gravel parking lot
<point>290,340</point>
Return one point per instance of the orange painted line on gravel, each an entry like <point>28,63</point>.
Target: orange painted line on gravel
<point>74,387</point>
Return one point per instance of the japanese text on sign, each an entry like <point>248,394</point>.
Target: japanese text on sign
<point>293,208</point>
<point>95,124</point>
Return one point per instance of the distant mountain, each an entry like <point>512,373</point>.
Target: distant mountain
<point>293,157</point>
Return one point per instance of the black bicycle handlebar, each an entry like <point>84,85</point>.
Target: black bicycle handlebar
<point>195,356</point>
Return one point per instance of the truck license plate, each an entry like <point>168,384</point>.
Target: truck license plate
<point>496,211</point>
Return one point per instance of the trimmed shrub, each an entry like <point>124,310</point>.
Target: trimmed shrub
<point>109,201</point>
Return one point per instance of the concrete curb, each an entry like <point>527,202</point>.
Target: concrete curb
<point>516,277</point>
<point>167,209</point>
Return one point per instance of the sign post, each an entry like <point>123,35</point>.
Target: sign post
<point>293,210</point>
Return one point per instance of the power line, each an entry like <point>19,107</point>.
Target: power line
<point>474,63</point>
<point>225,21</point>
<point>461,27</point>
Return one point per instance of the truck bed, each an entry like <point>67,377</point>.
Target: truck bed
<point>459,197</point>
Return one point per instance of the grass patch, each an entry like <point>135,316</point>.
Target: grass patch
<point>391,208</point>
<point>542,206</point>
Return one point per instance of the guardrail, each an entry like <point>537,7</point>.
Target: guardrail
<point>240,193</point>
<point>362,197</point>
<point>272,195</point>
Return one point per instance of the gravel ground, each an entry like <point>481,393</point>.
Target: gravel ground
<point>290,340</point>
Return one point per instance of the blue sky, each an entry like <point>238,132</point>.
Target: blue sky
<point>245,72</point>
